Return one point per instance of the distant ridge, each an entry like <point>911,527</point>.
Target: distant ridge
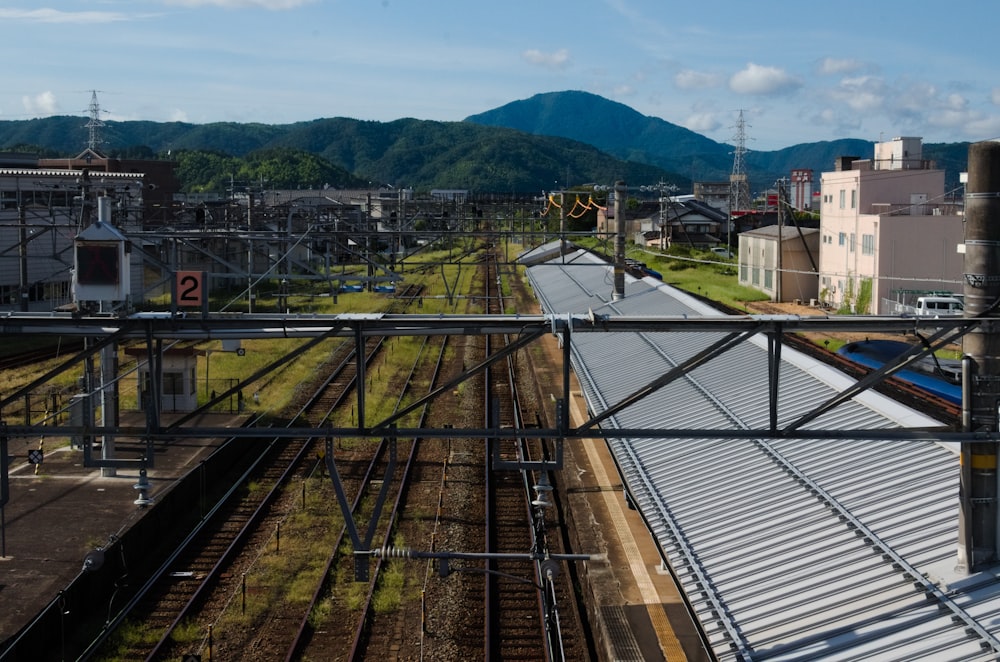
<point>571,137</point>
<point>607,125</point>
<point>624,132</point>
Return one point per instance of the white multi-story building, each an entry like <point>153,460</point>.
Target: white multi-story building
<point>886,230</point>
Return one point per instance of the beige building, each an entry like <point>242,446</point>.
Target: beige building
<point>780,261</point>
<point>886,230</point>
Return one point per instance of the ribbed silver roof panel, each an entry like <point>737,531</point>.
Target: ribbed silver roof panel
<point>786,549</point>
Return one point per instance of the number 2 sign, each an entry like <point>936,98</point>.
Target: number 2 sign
<point>190,288</point>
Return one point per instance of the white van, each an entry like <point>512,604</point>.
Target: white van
<point>939,306</point>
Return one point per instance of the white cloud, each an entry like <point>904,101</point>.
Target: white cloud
<point>956,101</point>
<point>702,123</point>
<point>955,114</point>
<point>913,101</point>
<point>840,124</point>
<point>834,66</point>
<point>757,79</point>
<point>904,107</point>
<point>557,60</point>
<point>696,80</point>
<point>995,96</point>
<point>861,93</point>
<point>983,128</point>
<point>41,105</point>
<point>278,5</point>
<point>56,16</point>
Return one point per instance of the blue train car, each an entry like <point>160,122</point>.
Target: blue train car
<point>940,379</point>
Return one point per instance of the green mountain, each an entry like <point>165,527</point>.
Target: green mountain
<point>607,125</point>
<point>623,132</point>
<point>406,152</point>
<point>549,141</point>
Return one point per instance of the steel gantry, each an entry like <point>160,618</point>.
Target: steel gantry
<point>150,334</point>
<point>154,330</point>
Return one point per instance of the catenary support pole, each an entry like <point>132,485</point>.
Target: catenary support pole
<point>619,288</point>
<point>981,398</point>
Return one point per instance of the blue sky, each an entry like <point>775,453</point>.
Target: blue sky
<point>801,72</point>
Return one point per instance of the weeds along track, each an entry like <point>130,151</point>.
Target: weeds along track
<point>220,568</point>
<point>372,618</point>
<point>273,572</point>
<point>181,605</point>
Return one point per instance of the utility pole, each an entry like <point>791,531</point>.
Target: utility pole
<point>562,226</point>
<point>779,272</point>
<point>619,287</point>
<point>978,512</point>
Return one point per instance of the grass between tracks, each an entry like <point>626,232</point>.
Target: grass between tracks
<point>285,572</point>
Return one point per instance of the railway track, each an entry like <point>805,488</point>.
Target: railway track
<point>210,599</point>
<point>186,588</point>
<point>197,583</point>
<point>524,602</point>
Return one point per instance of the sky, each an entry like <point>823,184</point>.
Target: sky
<point>798,71</point>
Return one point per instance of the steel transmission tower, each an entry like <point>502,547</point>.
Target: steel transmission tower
<point>739,187</point>
<point>95,124</point>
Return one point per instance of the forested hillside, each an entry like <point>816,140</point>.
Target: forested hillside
<point>623,132</point>
<point>405,153</point>
<point>550,141</point>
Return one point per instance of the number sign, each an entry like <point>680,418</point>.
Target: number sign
<point>190,288</point>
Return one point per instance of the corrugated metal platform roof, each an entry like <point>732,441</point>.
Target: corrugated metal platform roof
<point>786,549</point>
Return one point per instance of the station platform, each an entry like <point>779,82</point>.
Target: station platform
<point>640,610</point>
<point>59,510</point>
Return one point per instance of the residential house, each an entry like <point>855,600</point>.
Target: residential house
<point>660,224</point>
<point>696,224</point>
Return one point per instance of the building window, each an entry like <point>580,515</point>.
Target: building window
<point>768,279</point>
<point>868,244</point>
<point>843,197</point>
<point>854,199</point>
<point>841,239</point>
<point>854,241</point>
